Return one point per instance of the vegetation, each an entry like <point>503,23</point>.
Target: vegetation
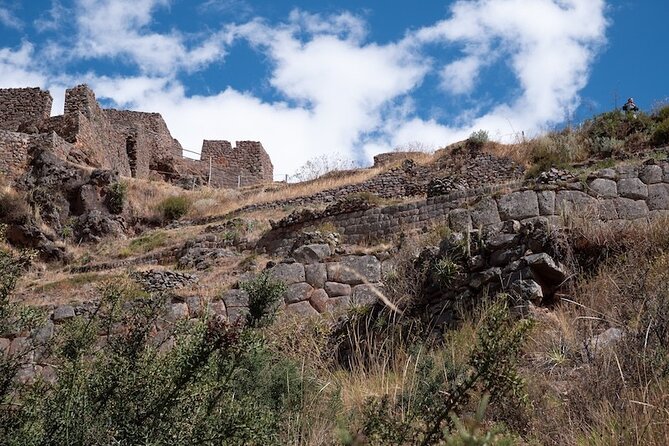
<point>117,195</point>
<point>173,208</point>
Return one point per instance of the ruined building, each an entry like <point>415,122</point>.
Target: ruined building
<point>135,144</point>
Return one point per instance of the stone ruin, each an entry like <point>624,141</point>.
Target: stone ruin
<point>136,144</point>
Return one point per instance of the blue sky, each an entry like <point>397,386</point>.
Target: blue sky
<point>347,78</point>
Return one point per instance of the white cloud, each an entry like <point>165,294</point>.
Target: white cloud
<point>337,91</point>
<point>52,19</point>
<point>121,28</point>
<point>8,19</point>
<point>16,68</point>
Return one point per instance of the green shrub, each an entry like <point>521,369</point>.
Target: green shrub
<point>116,197</point>
<point>173,208</point>
<point>555,150</point>
<point>661,134</point>
<point>264,292</point>
<point>477,140</point>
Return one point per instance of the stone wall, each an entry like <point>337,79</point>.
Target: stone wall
<point>624,194</point>
<point>15,148</point>
<point>245,164</point>
<point>148,142</point>
<point>23,106</point>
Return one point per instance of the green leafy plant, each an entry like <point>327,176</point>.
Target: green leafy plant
<point>117,194</point>
<point>264,292</point>
<point>477,140</point>
<point>173,208</point>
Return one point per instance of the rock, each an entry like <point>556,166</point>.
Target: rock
<point>476,263</point>
<point>460,220</point>
<point>632,188</point>
<point>511,227</point>
<point>44,334</point>
<point>504,256</point>
<point>194,304</point>
<point>545,268</point>
<point>484,213</point>
<point>316,275</point>
<point>502,241</point>
<point>354,270</point>
<point>63,313</point>
<point>568,201</point>
<point>604,188</point>
<point>365,294</point>
<point>338,305</point>
<point>607,174</point>
<point>319,300</point>
<point>289,273</point>
<point>4,345</point>
<point>629,209</point>
<point>311,254</point>
<point>518,205</point>
<point>651,174</point>
<point>298,292</point>
<point>217,307</point>
<point>235,298</point>
<point>335,289</point>
<point>603,340</point>
<point>302,309</point>
<point>658,197</point>
<point>237,314</point>
<point>177,311</point>
<point>546,201</point>
<point>528,290</point>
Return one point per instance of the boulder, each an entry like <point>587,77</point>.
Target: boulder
<point>604,188</point>
<point>546,201</point>
<point>235,298</point>
<point>651,174</point>
<point>319,300</point>
<point>311,254</point>
<point>316,275</point>
<point>629,209</point>
<point>354,270</point>
<point>460,220</point>
<point>298,292</point>
<point>528,290</point>
<point>484,213</point>
<point>301,309</point>
<point>289,273</point>
<point>366,294</point>
<point>518,205</point>
<point>63,313</point>
<point>545,268</point>
<point>658,197</point>
<point>632,188</point>
<point>336,289</point>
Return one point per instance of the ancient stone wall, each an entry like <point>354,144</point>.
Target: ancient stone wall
<point>15,148</point>
<point>245,164</point>
<point>148,142</point>
<point>23,106</point>
<point>619,195</point>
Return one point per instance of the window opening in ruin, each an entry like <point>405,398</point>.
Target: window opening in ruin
<point>131,150</point>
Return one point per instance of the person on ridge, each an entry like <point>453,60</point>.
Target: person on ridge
<point>630,106</point>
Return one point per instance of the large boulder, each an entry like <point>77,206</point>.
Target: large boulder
<point>355,270</point>
<point>518,205</point>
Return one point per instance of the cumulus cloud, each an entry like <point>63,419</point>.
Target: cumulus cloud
<point>121,28</point>
<point>17,70</point>
<point>334,90</point>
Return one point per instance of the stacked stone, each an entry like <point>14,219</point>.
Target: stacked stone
<point>621,195</point>
<point>23,107</point>
<point>202,252</point>
<point>159,281</point>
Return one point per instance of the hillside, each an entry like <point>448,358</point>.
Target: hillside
<point>481,294</point>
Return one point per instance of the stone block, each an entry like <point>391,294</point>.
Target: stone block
<point>298,292</point>
<point>651,174</point>
<point>629,209</point>
<point>289,273</point>
<point>604,188</point>
<point>354,270</point>
<point>337,305</point>
<point>545,268</point>
<point>484,213</point>
<point>217,307</point>
<point>632,188</point>
<point>571,200</point>
<point>460,220</point>
<point>607,174</point>
<point>194,304</point>
<point>235,298</point>
<point>336,289</point>
<point>237,314</point>
<point>528,290</point>
<point>518,205</point>
<point>316,275</point>
<point>658,197</point>
<point>177,311</point>
<point>301,309</point>
<point>63,313</point>
<point>310,254</point>
<point>546,200</point>
<point>606,210</point>
<point>366,294</point>
<point>319,300</point>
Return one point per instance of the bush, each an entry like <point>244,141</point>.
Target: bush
<point>661,134</point>
<point>14,207</point>
<point>555,150</point>
<point>116,197</point>
<point>477,140</point>
<point>264,292</point>
<point>173,208</point>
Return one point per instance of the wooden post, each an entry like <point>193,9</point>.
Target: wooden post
<point>239,181</point>
<point>209,180</point>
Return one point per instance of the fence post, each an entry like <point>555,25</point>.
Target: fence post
<point>209,180</point>
<point>239,181</point>
<point>286,178</point>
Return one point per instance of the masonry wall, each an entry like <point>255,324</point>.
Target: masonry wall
<point>248,160</point>
<point>15,148</point>
<point>610,195</point>
<point>23,106</point>
<point>147,139</point>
